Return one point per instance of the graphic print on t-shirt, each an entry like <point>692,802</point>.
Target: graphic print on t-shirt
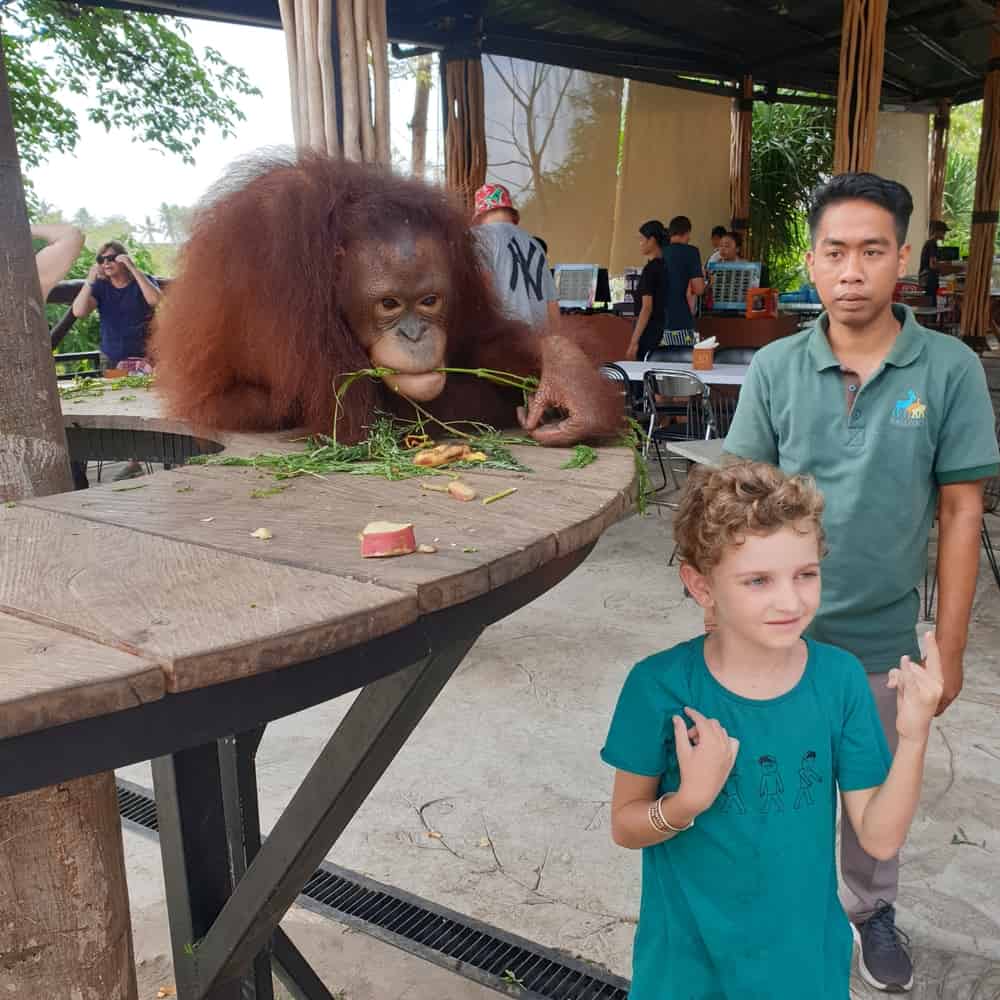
<point>730,794</point>
<point>772,788</point>
<point>521,267</point>
<point>808,776</point>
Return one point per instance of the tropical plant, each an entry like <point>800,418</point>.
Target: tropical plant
<point>959,197</point>
<point>791,152</point>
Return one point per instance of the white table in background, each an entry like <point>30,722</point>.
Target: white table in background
<point>719,375</point>
<point>700,452</point>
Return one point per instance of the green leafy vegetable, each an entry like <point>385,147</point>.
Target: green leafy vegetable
<point>583,455</point>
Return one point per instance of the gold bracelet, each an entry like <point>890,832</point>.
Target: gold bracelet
<point>656,819</point>
<point>665,821</point>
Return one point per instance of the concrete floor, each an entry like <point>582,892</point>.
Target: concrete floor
<point>504,771</point>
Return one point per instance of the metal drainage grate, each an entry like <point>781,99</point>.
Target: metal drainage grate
<point>452,940</point>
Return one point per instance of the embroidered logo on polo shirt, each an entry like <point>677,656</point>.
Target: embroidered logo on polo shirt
<point>909,412</point>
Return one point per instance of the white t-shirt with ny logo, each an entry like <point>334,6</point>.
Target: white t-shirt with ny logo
<point>520,272</point>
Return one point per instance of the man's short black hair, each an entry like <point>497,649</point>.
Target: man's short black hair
<point>719,231</point>
<point>890,195</point>
<point>679,225</point>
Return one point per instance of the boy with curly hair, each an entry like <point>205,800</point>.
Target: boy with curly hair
<point>735,806</point>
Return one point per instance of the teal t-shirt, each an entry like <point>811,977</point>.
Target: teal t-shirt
<point>744,906</point>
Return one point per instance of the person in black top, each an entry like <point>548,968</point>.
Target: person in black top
<point>648,330</point>
<point>930,267</point>
<point>683,276</point>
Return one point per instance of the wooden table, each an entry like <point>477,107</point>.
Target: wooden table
<point>141,620</point>
<point>717,375</point>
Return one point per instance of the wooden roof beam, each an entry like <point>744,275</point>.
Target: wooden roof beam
<point>638,22</point>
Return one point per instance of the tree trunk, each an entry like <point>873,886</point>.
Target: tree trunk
<point>418,124</point>
<point>64,918</point>
<point>63,899</point>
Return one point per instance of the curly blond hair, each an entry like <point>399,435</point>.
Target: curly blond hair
<point>720,507</point>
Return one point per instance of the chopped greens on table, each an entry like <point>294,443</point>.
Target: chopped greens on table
<point>389,451</point>
<point>92,388</point>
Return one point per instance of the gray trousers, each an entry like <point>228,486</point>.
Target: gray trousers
<point>865,880</point>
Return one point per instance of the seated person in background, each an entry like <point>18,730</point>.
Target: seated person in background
<point>717,233</point>
<point>730,248</point>
<point>930,267</point>
<point>125,298</point>
<point>54,260</point>
<point>517,262</point>
<point>683,277</point>
<point>648,331</point>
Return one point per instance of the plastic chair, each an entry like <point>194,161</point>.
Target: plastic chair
<point>682,399</point>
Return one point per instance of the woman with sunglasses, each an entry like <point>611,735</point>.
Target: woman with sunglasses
<point>125,298</point>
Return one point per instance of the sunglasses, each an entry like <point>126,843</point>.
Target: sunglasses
<point>106,258</point>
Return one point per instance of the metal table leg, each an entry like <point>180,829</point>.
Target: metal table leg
<point>226,900</point>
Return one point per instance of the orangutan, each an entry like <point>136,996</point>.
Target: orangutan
<point>299,272</point>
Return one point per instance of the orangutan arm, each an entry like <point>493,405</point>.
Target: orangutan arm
<point>590,406</point>
<point>240,407</point>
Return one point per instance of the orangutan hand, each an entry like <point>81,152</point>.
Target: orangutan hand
<point>590,406</point>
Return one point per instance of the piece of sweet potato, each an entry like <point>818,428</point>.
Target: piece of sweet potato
<point>381,539</point>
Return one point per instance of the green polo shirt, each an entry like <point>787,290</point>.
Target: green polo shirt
<point>879,452</point>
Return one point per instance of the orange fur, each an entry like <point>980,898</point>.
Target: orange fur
<point>251,335</point>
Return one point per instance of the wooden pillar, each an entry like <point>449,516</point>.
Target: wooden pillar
<point>859,87</point>
<point>976,305</point>
<point>64,917</point>
<point>465,125</point>
<point>741,130</point>
<point>338,74</point>
<point>939,160</point>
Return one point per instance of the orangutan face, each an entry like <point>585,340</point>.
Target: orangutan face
<point>398,308</point>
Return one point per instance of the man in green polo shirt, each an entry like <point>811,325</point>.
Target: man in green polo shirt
<point>894,422</point>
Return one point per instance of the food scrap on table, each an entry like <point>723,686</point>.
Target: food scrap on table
<point>381,539</point>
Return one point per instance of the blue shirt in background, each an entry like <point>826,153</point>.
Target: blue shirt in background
<point>744,905</point>
<point>125,317</point>
<point>681,263</point>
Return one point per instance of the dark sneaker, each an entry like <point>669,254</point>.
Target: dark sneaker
<point>883,951</point>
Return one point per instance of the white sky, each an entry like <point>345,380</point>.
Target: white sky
<point>108,174</point>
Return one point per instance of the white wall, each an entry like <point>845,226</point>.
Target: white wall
<point>902,154</point>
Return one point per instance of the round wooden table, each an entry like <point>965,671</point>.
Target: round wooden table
<point>142,620</point>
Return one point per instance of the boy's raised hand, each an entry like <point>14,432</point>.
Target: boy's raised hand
<point>705,762</point>
<point>918,692</point>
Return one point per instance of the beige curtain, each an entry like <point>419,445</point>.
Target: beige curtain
<point>359,26</point>
<point>859,87</point>
<point>552,139</point>
<point>675,161</point>
<point>901,154</point>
